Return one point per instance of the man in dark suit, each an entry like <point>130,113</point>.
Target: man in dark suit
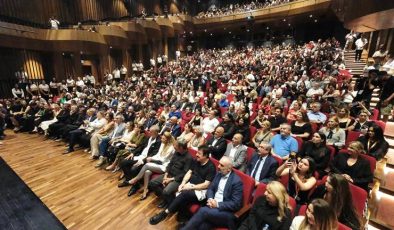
<point>217,144</point>
<point>173,127</point>
<point>133,163</point>
<point>195,105</point>
<point>262,167</point>
<point>224,198</point>
<point>152,120</point>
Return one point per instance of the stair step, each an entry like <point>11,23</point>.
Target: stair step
<point>382,213</point>
<point>390,157</point>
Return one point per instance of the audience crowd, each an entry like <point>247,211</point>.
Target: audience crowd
<point>230,9</point>
<point>211,127</point>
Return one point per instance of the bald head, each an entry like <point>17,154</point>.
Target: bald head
<point>237,139</point>
<point>225,165</point>
<point>219,131</point>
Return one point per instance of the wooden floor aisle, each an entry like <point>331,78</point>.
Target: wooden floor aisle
<point>81,196</point>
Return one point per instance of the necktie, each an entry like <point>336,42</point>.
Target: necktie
<point>329,136</point>
<point>256,168</point>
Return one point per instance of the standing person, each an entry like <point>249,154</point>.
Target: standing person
<point>387,95</point>
<point>360,45</point>
<point>123,72</point>
<point>349,40</point>
<point>54,23</point>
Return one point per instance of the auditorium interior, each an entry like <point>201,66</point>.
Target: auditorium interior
<point>111,114</point>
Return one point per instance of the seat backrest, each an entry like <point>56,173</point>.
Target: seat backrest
<point>260,190</point>
<point>381,124</point>
<point>192,152</point>
<point>278,159</point>
<point>249,154</point>
<point>372,162</point>
<point>359,197</point>
<point>214,161</point>
<point>252,131</point>
<point>375,115</point>
<point>332,152</point>
<point>343,227</point>
<point>302,210</point>
<point>352,136</point>
<point>248,187</point>
<point>299,141</point>
<point>293,206</point>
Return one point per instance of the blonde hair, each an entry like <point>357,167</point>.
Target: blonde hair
<point>170,141</point>
<point>357,146</point>
<point>280,193</point>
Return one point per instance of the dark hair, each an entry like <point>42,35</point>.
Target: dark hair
<point>342,200</point>
<point>312,167</point>
<point>323,214</point>
<point>378,132</point>
<point>182,144</point>
<point>323,138</point>
<point>205,150</point>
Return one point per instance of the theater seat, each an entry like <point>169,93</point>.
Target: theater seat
<point>351,136</point>
<point>343,227</point>
<point>252,131</point>
<point>249,154</point>
<point>293,206</point>
<point>381,124</point>
<point>359,196</point>
<point>260,190</point>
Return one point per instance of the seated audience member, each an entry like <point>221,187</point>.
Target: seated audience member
<point>130,140</point>
<point>336,192</point>
<point>236,151</point>
<point>228,125</point>
<point>301,179</point>
<point>242,127</point>
<point>345,121</point>
<point>155,164</point>
<point>258,121</point>
<point>193,187</point>
<point>335,135</point>
<point>352,166</point>
<point>130,114</point>
<point>315,91</point>
<point>79,123</point>
<point>262,167</point>
<point>283,144</point>
<point>167,184</point>
<point>301,127</point>
<point>318,151</point>
<point>210,123</point>
<point>374,143</point>
<point>271,211</point>
<point>61,120</point>
<point>152,120</point>
<point>132,164</point>
<point>361,124</point>
<point>187,133</point>
<point>187,116</point>
<point>173,127</point>
<point>292,114</point>
<point>315,116</point>
<point>195,106</point>
<point>217,144</point>
<point>197,118</point>
<point>319,215</point>
<point>43,126</point>
<point>44,114</point>
<point>264,134</point>
<point>117,132</point>
<point>95,135</point>
<point>277,119</point>
<point>197,139</point>
<point>174,112</point>
<point>224,198</point>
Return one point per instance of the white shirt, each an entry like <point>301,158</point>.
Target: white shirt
<point>209,125</point>
<point>232,152</point>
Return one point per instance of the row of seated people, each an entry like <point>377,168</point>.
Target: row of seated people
<point>238,159</point>
<point>198,175</point>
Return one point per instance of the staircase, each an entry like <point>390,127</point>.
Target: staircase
<point>381,201</point>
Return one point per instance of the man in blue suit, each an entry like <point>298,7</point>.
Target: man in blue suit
<point>224,198</point>
<point>262,167</point>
